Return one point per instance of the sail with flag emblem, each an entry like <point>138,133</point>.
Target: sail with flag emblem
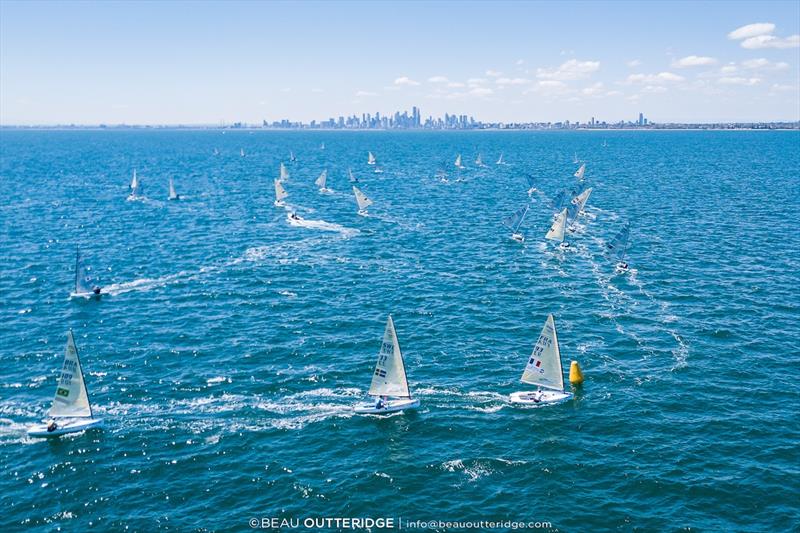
<point>389,378</point>
<point>71,399</point>
<point>361,199</point>
<point>556,232</point>
<point>544,365</point>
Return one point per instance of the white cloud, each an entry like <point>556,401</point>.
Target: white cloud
<point>552,83</point>
<point>405,80</point>
<point>481,91</point>
<point>317,90</point>
<point>438,79</point>
<point>594,89</point>
<point>770,41</point>
<point>520,61</point>
<point>475,81</point>
<point>764,64</point>
<point>694,61</point>
<point>729,69</point>
<point>780,87</point>
<point>512,81</point>
<point>493,73</point>
<point>455,84</point>
<point>633,63</point>
<point>365,93</point>
<point>569,70</point>
<point>654,79</point>
<point>654,89</point>
<point>739,81</point>
<point>751,30</point>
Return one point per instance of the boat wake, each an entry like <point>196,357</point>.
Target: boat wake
<point>322,225</point>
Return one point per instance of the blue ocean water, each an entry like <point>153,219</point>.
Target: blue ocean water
<point>231,345</point>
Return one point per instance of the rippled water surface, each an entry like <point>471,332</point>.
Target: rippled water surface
<point>231,345</point>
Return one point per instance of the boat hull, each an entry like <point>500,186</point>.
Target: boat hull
<point>65,427</point>
<point>517,237</point>
<point>391,406</point>
<point>548,397</point>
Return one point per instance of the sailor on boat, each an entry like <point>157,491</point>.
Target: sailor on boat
<point>52,426</point>
<point>380,403</point>
<point>294,216</point>
<point>96,290</point>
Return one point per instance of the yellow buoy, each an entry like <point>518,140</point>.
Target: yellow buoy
<point>575,374</point>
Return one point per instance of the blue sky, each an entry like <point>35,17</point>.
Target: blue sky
<point>205,62</point>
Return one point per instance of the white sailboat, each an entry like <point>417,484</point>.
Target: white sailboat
<point>136,188</point>
<point>71,411</point>
<point>322,181</point>
<point>280,194</point>
<point>322,146</point>
<point>284,175</point>
<point>172,194</point>
<point>371,159</point>
<point>558,228</point>
<point>292,158</point>
<point>458,162</point>
<point>352,177</point>
<point>576,207</point>
<point>478,161</point>
<point>544,370</point>
<point>500,160</point>
<point>579,173</point>
<point>514,222</point>
<point>575,158</point>
<point>531,184</point>
<point>618,246</point>
<point>389,382</point>
<point>216,151</point>
<point>241,152</point>
<point>362,201</point>
<point>84,288</point>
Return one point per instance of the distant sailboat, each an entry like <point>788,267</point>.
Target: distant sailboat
<point>576,206</point>
<point>389,381</point>
<point>605,143</point>
<point>478,161</point>
<point>284,175</point>
<point>579,173</point>
<point>280,194</point>
<point>544,370</point>
<point>575,158</point>
<point>514,222</point>
<point>558,228</point>
<point>172,194</point>
<point>241,152</point>
<point>71,411</point>
<point>136,188</point>
<point>322,146</point>
<point>362,201</point>
<point>500,160</point>
<point>559,200</point>
<point>618,246</point>
<point>458,162</point>
<point>84,288</point>
<point>531,184</point>
<point>371,159</point>
<point>352,177</point>
<point>216,152</point>
<point>322,181</point>
<point>292,158</point>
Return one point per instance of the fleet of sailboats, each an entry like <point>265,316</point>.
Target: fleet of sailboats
<point>389,382</point>
<point>71,410</point>
<point>543,369</point>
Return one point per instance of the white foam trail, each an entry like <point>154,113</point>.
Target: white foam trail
<point>323,226</point>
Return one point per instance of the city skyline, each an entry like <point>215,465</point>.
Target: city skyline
<point>148,63</point>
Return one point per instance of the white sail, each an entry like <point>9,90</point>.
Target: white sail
<point>136,187</point>
<point>71,399</point>
<point>280,192</point>
<point>351,176</point>
<point>515,220</point>
<point>544,365</point>
<point>478,160</point>
<point>617,247</point>
<point>458,161</point>
<point>292,158</point>
<point>83,283</point>
<point>322,146</point>
<point>575,158</point>
<point>556,232</point>
<point>389,378</point>
<point>172,194</point>
<point>580,171</point>
<point>284,173</point>
<point>371,159</point>
<point>322,179</point>
<point>578,203</point>
<point>500,159</point>
<point>241,152</point>
<point>361,199</point>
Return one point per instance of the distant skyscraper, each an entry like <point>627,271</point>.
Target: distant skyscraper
<point>641,119</point>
